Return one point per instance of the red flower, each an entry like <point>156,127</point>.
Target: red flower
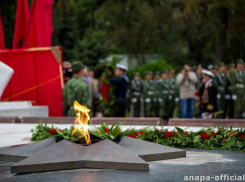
<point>168,134</point>
<point>159,131</point>
<point>132,135</point>
<point>204,136</point>
<point>52,131</point>
<point>241,137</point>
<point>60,130</point>
<point>186,133</point>
<point>196,93</point>
<point>106,130</point>
<point>213,133</point>
<point>139,133</point>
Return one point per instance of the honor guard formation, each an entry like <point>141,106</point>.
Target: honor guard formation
<point>203,91</point>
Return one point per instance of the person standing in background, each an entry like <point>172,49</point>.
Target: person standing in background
<point>221,83</point>
<point>136,94</point>
<point>89,81</point>
<point>232,67</point>
<point>76,90</point>
<point>228,95</point>
<point>172,93</point>
<point>237,88</point>
<point>67,70</point>
<point>187,80</point>
<point>164,96</point>
<point>121,83</point>
<point>94,89</point>
<point>214,69</point>
<point>149,94</point>
<point>208,94</point>
<point>199,76</point>
<point>156,104</point>
<point>85,76</point>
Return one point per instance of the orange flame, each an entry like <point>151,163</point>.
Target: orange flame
<point>81,121</point>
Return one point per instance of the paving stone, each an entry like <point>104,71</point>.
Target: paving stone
<point>235,123</point>
<point>146,121</point>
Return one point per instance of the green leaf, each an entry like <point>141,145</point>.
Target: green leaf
<point>104,125</point>
<point>179,130</point>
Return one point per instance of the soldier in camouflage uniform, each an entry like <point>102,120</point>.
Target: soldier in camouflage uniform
<point>238,90</point>
<point>76,90</point>
<point>197,108</point>
<point>149,95</point>
<point>228,95</point>
<point>136,95</point>
<point>157,75</point>
<point>221,83</point>
<point>156,104</point>
<point>199,76</point>
<point>163,97</point>
<point>232,67</point>
<point>172,93</point>
<point>214,70</point>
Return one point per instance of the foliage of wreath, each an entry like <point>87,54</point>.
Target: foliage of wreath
<point>206,138</point>
<point>109,73</point>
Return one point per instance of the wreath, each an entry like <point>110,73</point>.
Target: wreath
<point>107,89</point>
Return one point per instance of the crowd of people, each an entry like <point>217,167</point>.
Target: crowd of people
<point>204,91</point>
<point>81,86</point>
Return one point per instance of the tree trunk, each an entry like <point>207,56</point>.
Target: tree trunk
<point>221,40</point>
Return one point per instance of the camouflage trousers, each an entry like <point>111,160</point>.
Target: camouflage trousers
<point>239,108</point>
<point>163,106</point>
<point>136,105</point>
<point>149,106</point>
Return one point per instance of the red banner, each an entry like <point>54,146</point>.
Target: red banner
<point>40,28</point>
<point>21,23</point>
<point>37,77</point>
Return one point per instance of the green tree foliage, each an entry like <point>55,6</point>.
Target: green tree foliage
<point>221,25</point>
<point>153,66</point>
<point>95,46</point>
<point>179,31</point>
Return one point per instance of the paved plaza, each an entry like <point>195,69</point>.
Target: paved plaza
<point>197,163</point>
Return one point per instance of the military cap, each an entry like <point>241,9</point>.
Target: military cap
<point>208,73</point>
<point>122,67</point>
<point>221,64</point>
<point>77,65</point>
<point>231,65</point>
<point>148,73</point>
<point>239,61</point>
<point>172,71</point>
<point>157,73</point>
<point>136,74</point>
<point>205,66</point>
<point>164,71</point>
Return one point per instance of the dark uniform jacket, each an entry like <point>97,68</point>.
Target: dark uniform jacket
<point>121,86</point>
<point>208,95</point>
